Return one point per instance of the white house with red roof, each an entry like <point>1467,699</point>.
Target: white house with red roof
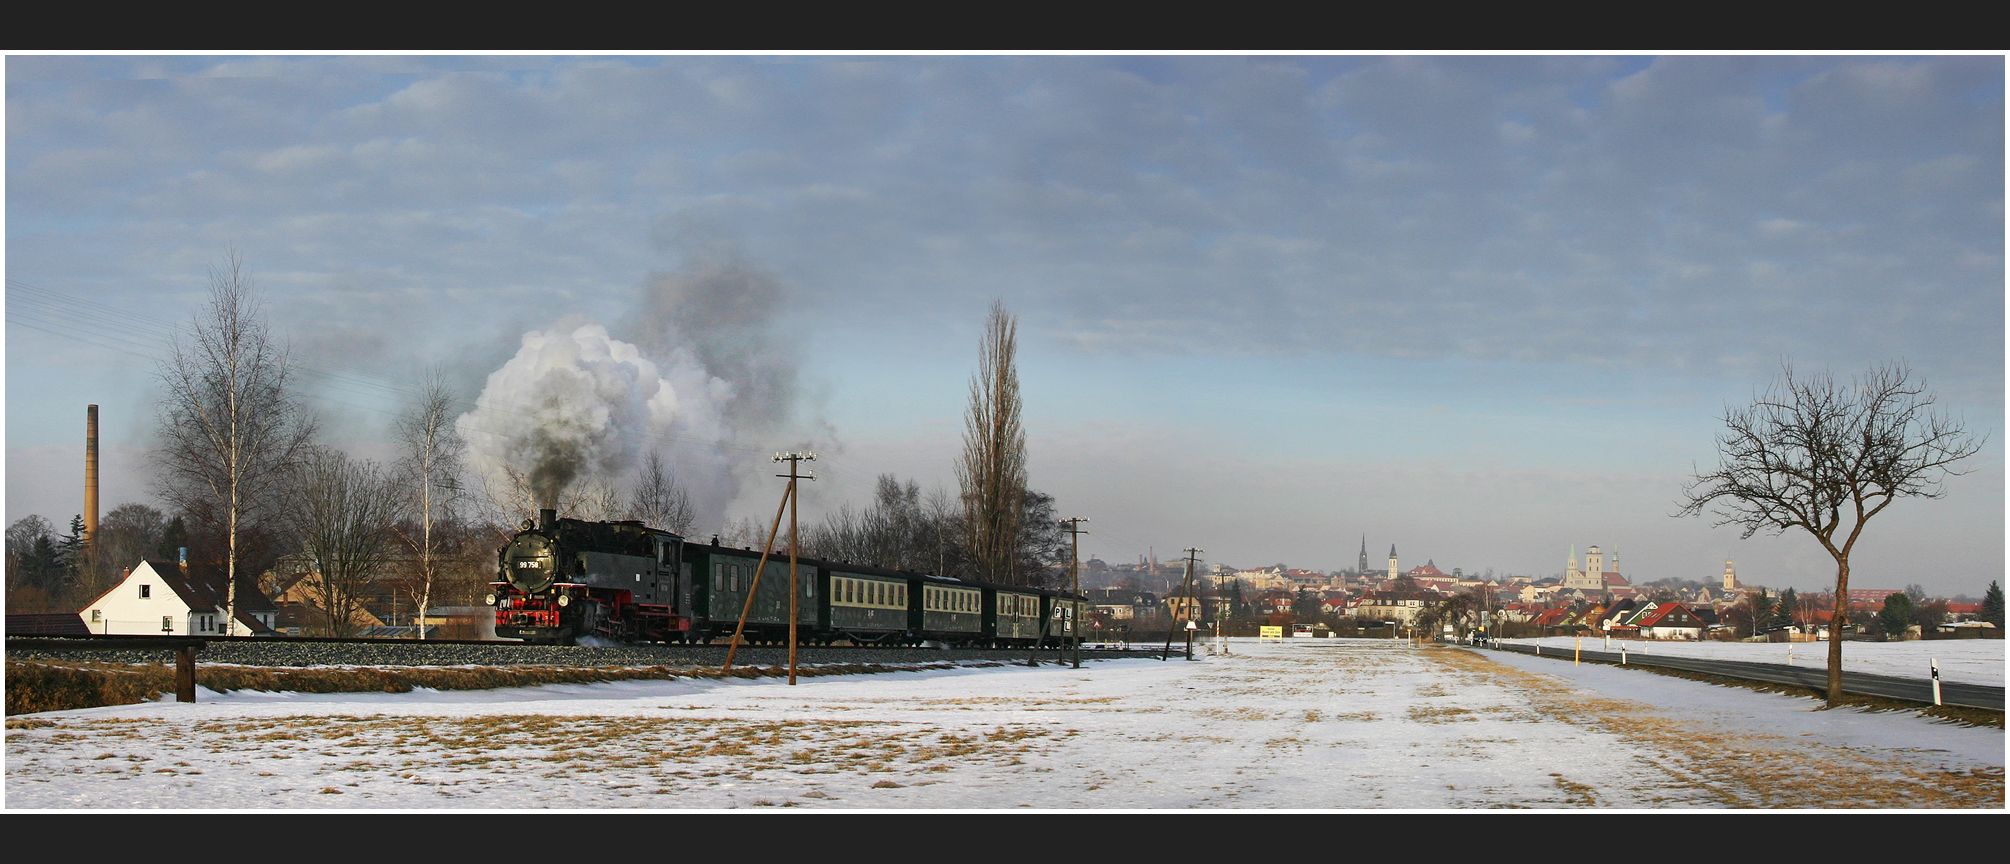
<point>1669,621</point>
<point>161,598</point>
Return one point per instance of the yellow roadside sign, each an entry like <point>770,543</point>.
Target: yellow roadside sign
<point>1276,633</point>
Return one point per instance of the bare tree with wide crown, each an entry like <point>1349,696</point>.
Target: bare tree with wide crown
<point>1814,454</point>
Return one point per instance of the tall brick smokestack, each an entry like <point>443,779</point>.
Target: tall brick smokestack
<point>91,472</point>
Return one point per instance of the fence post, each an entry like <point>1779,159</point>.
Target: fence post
<point>184,674</point>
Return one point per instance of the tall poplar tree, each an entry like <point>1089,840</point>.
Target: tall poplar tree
<point>992,472</point>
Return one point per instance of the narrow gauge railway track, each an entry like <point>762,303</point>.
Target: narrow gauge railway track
<point>305,652</point>
<point>1817,677</point>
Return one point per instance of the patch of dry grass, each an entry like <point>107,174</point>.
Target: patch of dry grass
<point>38,685</point>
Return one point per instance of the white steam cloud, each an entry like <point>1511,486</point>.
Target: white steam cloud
<point>576,407</point>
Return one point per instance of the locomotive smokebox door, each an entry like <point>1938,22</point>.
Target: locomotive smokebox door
<point>530,564</point>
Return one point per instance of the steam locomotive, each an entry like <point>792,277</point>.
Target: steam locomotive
<point>559,581</point>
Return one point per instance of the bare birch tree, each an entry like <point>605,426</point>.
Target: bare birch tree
<point>229,425</point>
<point>992,472</point>
<point>341,513</point>
<point>1815,455</point>
<point>429,474</point>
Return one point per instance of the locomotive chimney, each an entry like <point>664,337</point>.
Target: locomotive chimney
<point>91,473</point>
<point>546,519</point>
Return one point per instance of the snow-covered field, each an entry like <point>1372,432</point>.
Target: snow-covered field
<point>1970,661</point>
<point>1305,724</point>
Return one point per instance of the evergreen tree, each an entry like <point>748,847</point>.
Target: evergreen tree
<point>1305,606</point>
<point>72,552</point>
<point>1896,615</point>
<point>174,538</point>
<point>21,537</point>
<point>1992,605</point>
<point>1783,615</point>
<point>42,566</point>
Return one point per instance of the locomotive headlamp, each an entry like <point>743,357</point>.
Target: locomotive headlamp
<point>490,600</point>
<point>563,600</point>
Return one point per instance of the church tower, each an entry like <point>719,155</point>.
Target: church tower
<point>1392,561</point>
<point>1594,565</point>
<point>1362,568</point>
<point>1730,576</point>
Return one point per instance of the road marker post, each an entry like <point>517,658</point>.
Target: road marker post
<point>1936,680</point>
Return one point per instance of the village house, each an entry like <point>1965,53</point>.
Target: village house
<point>162,598</point>
<point>1399,606</point>
<point>1668,621</point>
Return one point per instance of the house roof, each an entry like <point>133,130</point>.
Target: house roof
<point>1659,614</point>
<point>47,624</point>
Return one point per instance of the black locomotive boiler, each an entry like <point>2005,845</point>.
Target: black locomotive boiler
<point>567,580</point>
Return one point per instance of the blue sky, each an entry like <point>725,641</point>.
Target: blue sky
<point>1484,308</point>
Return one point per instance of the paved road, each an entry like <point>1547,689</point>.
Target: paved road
<point>1887,686</point>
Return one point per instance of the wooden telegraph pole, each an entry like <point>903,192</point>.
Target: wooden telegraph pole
<point>734,645</point>
<point>1185,591</point>
<point>1075,533</point>
<point>795,590</point>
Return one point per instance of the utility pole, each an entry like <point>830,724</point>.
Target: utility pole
<point>795,590</point>
<point>788,496</point>
<point>1184,582</point>
<point>1075,533</point>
